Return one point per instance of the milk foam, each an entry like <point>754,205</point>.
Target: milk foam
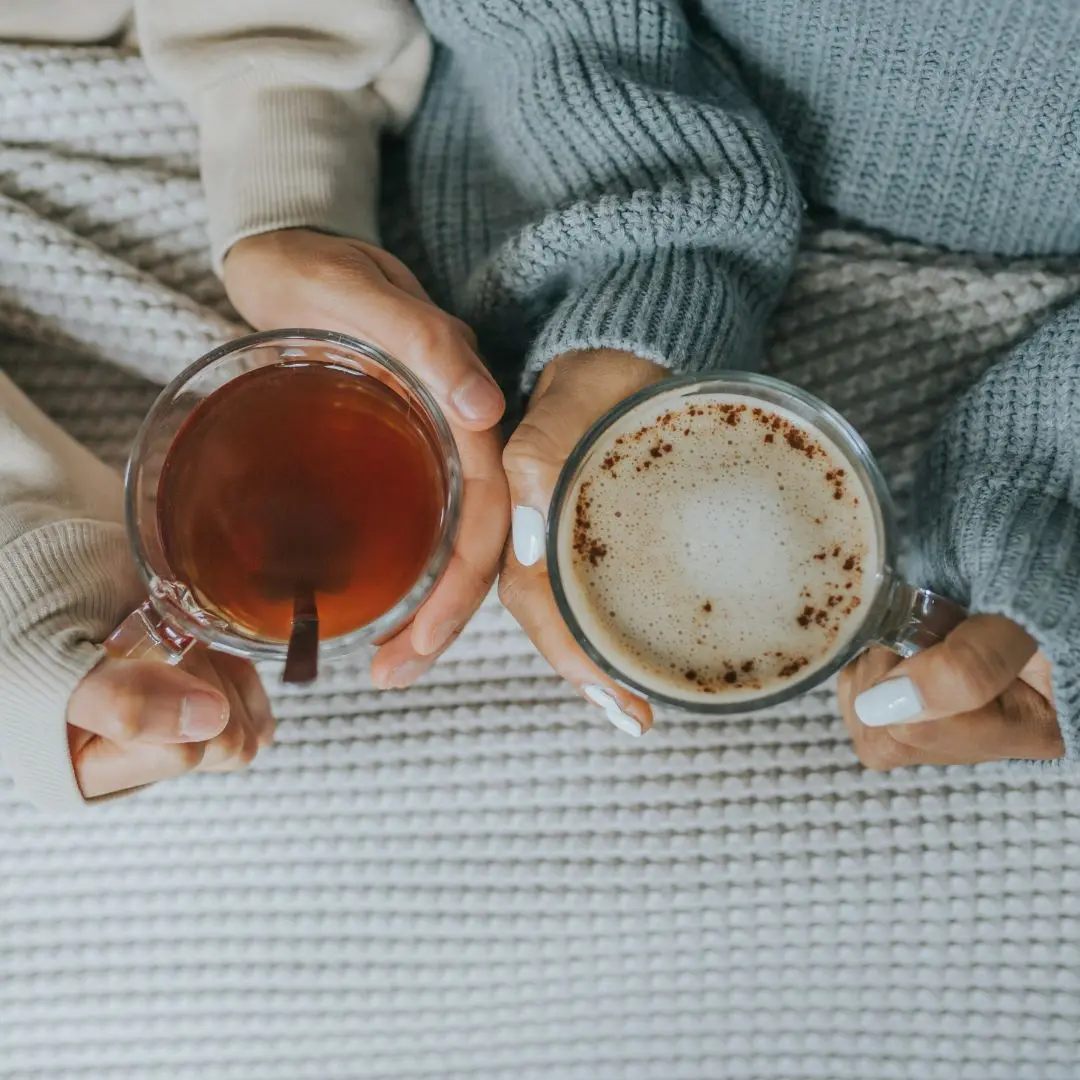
<point>716,547</point>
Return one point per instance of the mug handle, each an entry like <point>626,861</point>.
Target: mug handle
<point>918,619</point>
<point>145,635</point>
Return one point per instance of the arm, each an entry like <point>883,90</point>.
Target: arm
<point>290,99</point>
<point>998,511</point>
<point>651,220</point>
<point>290,108</point>
<point>76,726</point>
<point>643,203</point>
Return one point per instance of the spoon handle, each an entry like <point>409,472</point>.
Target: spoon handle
<point>302,659</point>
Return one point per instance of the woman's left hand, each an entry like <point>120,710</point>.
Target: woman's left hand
<point>983,694</point>
<point>573,391</point>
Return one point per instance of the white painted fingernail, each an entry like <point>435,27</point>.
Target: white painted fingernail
<point>606,700</point>
<point>895,701</point>
<point>528,533</point>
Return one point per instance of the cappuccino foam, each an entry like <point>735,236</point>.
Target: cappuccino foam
<point>717,547</point>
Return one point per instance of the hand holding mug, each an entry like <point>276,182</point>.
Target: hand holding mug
<point>296,277</point>
<point>572,393</point>
<point>983,694</point>
<point>135,722</point>
<point>716,544</point>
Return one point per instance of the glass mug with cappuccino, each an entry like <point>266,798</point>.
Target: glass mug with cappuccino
<point>726,543</point>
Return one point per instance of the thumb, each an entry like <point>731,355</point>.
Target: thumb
<point>975,664</point>
<point>128,701</point>
<point>574,391</point>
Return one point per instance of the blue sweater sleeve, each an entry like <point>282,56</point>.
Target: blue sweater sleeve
<point>625,191</point>
<point>998,502</point>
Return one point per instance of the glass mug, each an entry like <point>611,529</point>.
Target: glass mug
<point>176,616</point>
<point>896,614</point>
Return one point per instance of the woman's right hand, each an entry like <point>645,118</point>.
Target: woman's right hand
<point>572,392</point>
<point>296,277</point>
<point>135,722</point>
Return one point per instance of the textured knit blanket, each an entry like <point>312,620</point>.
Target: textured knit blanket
<point>480,878</point>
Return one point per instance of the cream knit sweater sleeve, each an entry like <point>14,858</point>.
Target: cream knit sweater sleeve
<point>290,96</point>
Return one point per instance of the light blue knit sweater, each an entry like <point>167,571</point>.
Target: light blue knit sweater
<point>632,174</point>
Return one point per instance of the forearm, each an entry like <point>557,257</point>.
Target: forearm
<point>640,201</point>
<point>290,99</point>
<point>998,501</point>
<point>66,579</point>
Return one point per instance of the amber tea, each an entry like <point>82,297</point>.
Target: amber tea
<point>301,479</point>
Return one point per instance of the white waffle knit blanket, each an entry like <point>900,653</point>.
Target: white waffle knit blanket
<point>479,878</point>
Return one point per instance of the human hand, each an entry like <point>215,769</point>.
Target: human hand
<point>135,722</point>
<point>573,391</point>
<point>296,277</point>
<point>983,694</point>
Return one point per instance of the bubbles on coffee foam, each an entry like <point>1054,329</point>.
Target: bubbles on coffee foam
<point>717,549</point>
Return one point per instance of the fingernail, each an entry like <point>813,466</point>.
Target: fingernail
<point>606,700</point>
<point>440,636</point>
<point>478,398</point>
<point>528,533</point>
<point>202,716</point>
<point>406,674</point>
<point>895,701</point>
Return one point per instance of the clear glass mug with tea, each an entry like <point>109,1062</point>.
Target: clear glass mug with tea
<point>725,543</point>
<point>292,494</point>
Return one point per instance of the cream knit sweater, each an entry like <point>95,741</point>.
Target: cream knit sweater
<point>289,124</point>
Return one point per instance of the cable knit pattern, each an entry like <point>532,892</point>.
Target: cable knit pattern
<point>477,878</point>
<point>614,172</point>
<point>952,123</point>
<point>620,188</point>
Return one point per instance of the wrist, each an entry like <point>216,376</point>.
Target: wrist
<point>266,274</point>
<point>611,368</point>
<point>267,244</point>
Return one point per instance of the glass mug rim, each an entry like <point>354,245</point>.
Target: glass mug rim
<point>216,632</point>
<point>890,591</point>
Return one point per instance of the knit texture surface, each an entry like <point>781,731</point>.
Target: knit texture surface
<point>478,878</point>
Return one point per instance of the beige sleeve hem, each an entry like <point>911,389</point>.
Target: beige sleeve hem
<point>291,100</point>
<point>63,587</point>
<point>279,157</point>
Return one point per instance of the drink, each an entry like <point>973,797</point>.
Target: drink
<point>301,476</point>
<point>715,547</point>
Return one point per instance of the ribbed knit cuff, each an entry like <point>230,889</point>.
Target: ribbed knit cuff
<point>63,587</point>
<point>676,307</point>
<point>1006,550</point>
<point>283,156</point>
